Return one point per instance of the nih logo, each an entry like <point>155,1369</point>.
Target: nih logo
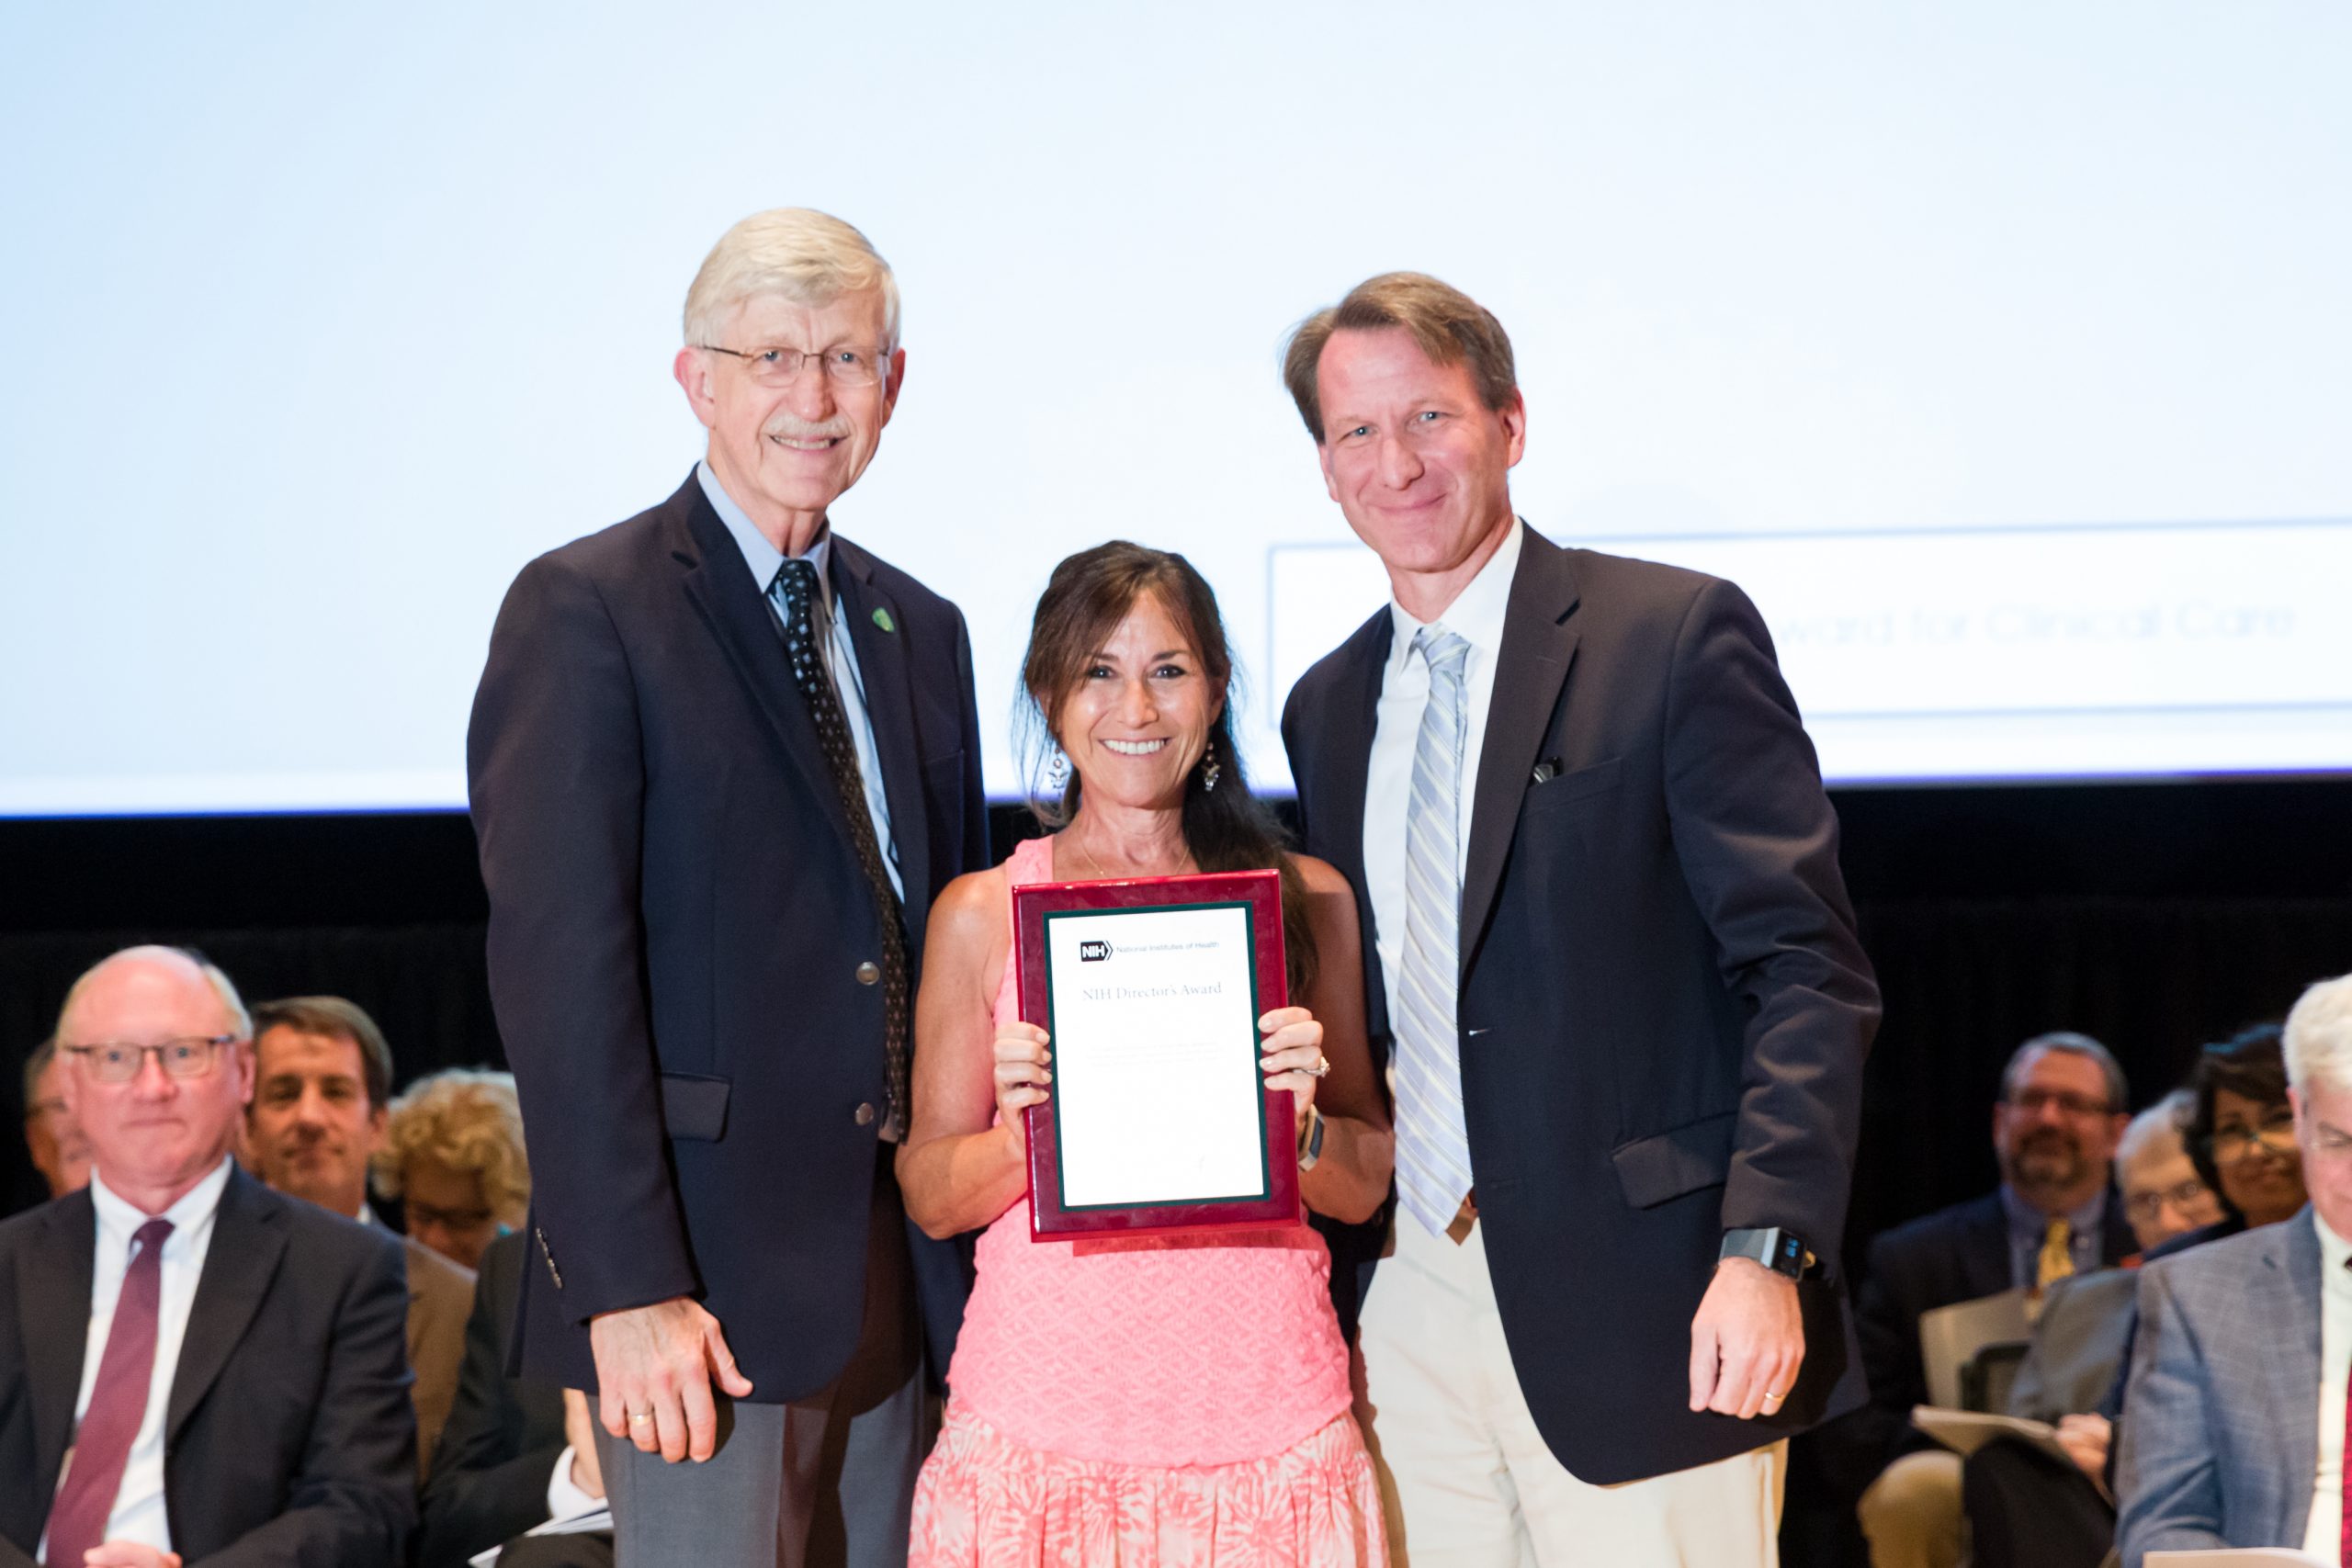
<point>1094,952</point>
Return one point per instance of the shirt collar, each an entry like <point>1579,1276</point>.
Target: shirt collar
<point>1476,613</point>
<point>763,558</point>
<point>2084,1219</point>
<point>2334,1254</point>
<point>119,1219</point>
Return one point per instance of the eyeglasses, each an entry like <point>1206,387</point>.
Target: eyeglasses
<point>2033,1101</point>
<point>2146,1206</point>
<point>448,1219</point>
<point>782,366</point>
<point>190,1056</point>
<point>2277,1134</point>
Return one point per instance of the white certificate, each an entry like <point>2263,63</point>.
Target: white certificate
<point>1157,1097</point>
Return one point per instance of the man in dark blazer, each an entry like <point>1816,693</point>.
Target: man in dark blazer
<point>1611,964</point>
<point>506,1456</point>
<point>2056,1213</point>
<point>722,759</point>
<point>245,1401</point>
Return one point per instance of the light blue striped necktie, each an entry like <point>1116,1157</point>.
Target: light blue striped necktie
<point>1432,1142</point>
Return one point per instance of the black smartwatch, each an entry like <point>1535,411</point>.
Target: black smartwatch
<point>1782,1251</point>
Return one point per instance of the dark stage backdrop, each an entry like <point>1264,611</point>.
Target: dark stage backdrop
<point>2156,916</point>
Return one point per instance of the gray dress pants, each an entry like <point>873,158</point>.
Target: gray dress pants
<point>827,1481</point>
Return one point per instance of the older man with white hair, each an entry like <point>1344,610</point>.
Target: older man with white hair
<point>2236,1423</point>
<point>192,1367</point>
<point>723,761</point>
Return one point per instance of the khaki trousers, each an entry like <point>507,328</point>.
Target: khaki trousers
<point>1469,1482</point>
<point>1911,1514</point>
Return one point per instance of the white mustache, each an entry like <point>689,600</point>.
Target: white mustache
<point>800,430</point>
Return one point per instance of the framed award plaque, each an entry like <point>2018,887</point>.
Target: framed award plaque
<point>1160,1120</point>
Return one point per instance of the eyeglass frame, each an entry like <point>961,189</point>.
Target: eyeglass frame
<point>214,1043</point>
<point>2180,1194</point>
<point>418,1214</point>
<point>2272,1127</point>
<point>751,356</point>
<point>2032,1101</point>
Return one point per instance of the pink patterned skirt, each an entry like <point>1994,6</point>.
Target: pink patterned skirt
<point>986,1502</point>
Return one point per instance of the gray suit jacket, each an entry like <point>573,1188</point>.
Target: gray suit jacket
<point>2079,1343</point>
<point>2221,1429</point>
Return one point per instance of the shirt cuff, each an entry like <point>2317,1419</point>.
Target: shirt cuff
<point>566,1501</point>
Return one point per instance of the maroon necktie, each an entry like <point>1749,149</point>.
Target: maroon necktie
<point>77,1521</point>
<point>2344,1481</point>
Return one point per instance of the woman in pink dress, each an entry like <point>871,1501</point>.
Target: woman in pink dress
<point>1138,1400</point>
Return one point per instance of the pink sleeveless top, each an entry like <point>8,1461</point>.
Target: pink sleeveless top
<point>1167,1350</point>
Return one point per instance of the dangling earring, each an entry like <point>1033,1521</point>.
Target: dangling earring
<point>1057,770</point>
<point>1209,768</point>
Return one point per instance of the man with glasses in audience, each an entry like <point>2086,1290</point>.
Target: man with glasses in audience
<point>192,1364</point>
<point>723,761</point>
<point>2024,1509</point>
<point>323,1075</point>
<point>2055,1215</point>
<point>53,1137</point>
<point>2234,1433</point>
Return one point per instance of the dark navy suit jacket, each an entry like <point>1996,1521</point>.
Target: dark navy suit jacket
<point>1956,1254</point>
<point>677,923</point>
<point>291,1440</point>
<point>1663,1010</point>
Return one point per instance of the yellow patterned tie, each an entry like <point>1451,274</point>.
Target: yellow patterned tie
<point>2057,1259</point>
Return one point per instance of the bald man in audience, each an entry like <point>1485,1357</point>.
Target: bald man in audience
<point>52,1135</point>
<point>193,1369</point>
<point>322,1084</point>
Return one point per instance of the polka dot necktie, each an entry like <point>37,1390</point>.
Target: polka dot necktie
<point>795,596</point>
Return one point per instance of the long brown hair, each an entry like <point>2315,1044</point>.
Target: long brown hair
<point>1225,829</point>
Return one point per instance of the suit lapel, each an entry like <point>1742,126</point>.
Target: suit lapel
<point>1987,1267</point>
<point>53,1315</point>
<point>731,605</point>
<point>890,708</point>
<point>1539,644</point>
<point>248,1239</point>
<point>1336,812</point>
<point>2285,1292</point>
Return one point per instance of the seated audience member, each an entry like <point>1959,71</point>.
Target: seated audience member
<point>212,1368</point>
<point>2236,1436</point>
<point>2054,1216</point>
<point>2240,1131</point>
<point>453,1155</point>
<point>323,1075</point>
<point>52,1135</point>
<point>2024,1509</point>
<point>516,1453</point>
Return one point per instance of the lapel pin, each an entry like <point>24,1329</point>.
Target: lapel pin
<point>882,618</point>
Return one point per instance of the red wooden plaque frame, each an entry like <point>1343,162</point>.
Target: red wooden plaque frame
<point>1049,1218</point>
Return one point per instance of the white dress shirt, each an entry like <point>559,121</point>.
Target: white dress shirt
<point>139,1506</point>
<point>764,562</point>
<point>1477,617</point>
<point>2321,1535</point>
<point>565,1500</point>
